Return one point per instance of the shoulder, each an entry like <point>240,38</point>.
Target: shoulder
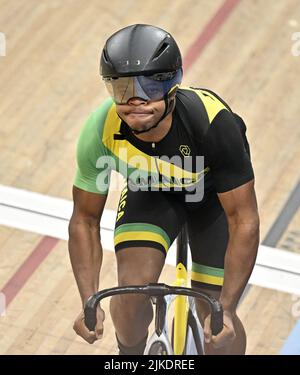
<point>95,123</point>
<point>91,135</point>
<point>196,97</point>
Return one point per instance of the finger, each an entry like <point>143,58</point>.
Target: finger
<point>89,336</point>
<point>99,334</point>
<point>226,335</point>
<point>223,338</point>
<point>91,339</point>
<point>82,331</point>
<point>207,330</point>
<point>219,341</point>
<point>99,330</point>
<point>99,325</point>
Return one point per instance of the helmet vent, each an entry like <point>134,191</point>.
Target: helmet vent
<point>161,50</point>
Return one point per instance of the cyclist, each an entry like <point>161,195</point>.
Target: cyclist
<point>152,131</point>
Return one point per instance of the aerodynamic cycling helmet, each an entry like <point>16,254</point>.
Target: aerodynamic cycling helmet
<point>141,61</point>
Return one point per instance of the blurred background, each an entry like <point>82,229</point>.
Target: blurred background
<point>247,51</point>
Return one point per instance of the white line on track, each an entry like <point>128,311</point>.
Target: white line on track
<point>38,213</point>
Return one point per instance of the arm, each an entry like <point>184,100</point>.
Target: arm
<point>84,240</point>
<point>243,223</point>
<point>228,153</point>
<point>89,195</point>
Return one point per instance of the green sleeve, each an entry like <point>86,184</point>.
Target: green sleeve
<point>91,175</point>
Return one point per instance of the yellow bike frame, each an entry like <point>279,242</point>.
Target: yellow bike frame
<point>181,311</point>
<point>181,302</point>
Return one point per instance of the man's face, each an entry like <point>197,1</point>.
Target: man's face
<point>140,114</point>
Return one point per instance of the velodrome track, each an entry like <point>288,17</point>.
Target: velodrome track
<point>49,83</point>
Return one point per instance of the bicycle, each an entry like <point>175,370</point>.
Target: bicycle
<point>186,331</point>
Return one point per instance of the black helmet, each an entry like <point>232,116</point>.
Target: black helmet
<point>139,50</point>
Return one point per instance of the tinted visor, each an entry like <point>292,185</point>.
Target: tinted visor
<point>149,88</point>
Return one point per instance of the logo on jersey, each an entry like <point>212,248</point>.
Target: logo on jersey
<point>185,150</point>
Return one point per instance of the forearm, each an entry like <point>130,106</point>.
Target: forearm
<point>86,256</point>
<point>239,262</point>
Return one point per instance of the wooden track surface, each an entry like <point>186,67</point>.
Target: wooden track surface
<point>49,83</point>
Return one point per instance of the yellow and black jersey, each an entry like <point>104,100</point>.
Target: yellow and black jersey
<point>203,126</point>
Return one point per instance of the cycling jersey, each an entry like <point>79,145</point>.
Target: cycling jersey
<point>107,143</point>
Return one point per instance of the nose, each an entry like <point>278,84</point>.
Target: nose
<point>136,101</point>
